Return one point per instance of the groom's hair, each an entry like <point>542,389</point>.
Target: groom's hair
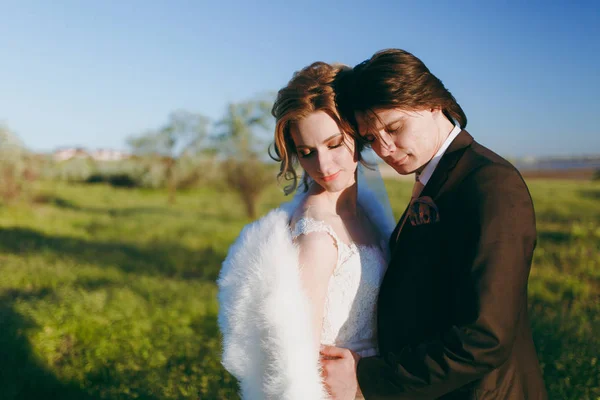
<point>311,89</point>
<point>395,78</point>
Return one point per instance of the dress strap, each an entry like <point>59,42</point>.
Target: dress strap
<point>306,225</point>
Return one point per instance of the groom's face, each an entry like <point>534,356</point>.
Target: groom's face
<point>406,140</point>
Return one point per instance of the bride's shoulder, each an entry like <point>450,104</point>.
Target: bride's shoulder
<point>312,208</point>
<point>312,225</point>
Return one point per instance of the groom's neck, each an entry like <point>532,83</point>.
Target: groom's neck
<point>444,128</point>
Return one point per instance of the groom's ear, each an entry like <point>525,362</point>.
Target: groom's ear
<point>438,112</point>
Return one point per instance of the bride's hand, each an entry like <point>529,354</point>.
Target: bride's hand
<point>339,372</point>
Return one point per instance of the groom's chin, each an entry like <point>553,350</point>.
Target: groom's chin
<point>403,169</point>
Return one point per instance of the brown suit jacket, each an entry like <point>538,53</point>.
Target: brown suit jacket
<point>452,308</point>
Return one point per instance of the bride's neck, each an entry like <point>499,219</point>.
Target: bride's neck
<point>343,203</point>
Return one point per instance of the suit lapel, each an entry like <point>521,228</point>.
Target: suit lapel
<point>439,177</point>
<point>446,164</point>
<point>396,232</point>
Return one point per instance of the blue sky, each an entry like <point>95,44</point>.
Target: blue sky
<point>91,73</point>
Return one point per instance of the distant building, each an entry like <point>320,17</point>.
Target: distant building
<point>70,153</point>
<point>109,155</point>
<point>97,155</point>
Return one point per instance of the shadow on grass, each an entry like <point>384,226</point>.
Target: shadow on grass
<point>65,204</point>
<point>223,216</point>
<point>22,375</point>
<point>220,384</point>
<point>590,194</point>
<point>110,381</point>
<point>566,351</point>
<point>553,238</point>
<point>158,259</point>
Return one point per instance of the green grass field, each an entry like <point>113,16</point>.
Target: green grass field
<point>110,294</point>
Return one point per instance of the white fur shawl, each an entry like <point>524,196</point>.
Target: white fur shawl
<point>264,315</point>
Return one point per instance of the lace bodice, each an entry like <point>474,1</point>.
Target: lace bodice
<point>350,318</point>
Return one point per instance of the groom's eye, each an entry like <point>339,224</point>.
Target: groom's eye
<point>390,130</point>
<point>369,138</point>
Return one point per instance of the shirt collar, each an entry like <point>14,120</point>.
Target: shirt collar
<point>425,175</point>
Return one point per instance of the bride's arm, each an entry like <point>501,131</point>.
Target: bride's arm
<point>317,260</point>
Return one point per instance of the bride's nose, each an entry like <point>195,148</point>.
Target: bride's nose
<point>324,161</point>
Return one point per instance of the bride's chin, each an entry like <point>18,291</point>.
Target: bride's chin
<point>337,187</point>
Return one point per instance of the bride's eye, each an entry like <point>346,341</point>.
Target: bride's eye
<point>305,154</point>
<point>335,146</point>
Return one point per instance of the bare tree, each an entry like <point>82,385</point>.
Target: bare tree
<point>237,130</point>
<point>248,177</point>
<point>184,134</point>
<point>13,168</point>
<point>242,146</point>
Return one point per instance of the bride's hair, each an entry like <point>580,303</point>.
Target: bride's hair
<point>311,89</point>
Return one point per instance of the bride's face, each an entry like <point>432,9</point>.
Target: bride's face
<point>325,153</point>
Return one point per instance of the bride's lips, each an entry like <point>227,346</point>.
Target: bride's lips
<point>331,177</point>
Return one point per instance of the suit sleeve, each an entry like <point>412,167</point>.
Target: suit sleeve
<point>503,223</point>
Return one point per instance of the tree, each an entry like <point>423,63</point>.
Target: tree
<point>237,135</point>
<point>13,167</point>
<point>183,135</point>
<point>242,146</point>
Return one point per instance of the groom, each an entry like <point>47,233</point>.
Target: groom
<point>452,309</point>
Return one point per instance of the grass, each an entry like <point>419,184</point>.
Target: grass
<point>110,294</point>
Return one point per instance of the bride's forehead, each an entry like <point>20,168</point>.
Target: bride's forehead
<point>316,124</point>
<point>306,135</point>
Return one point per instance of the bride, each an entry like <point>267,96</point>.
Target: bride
<point>307,273</point>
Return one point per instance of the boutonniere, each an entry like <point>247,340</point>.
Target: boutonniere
<point>423,211</point>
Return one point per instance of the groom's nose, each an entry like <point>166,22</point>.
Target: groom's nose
<point>386,145</point>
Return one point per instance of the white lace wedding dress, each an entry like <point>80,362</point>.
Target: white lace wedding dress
<point>264,315</point>
<point>350,315</point>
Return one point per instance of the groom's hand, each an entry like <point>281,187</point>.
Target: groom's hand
<point>339,372</point>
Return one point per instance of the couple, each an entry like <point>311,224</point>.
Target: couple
<point>324,299</point>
